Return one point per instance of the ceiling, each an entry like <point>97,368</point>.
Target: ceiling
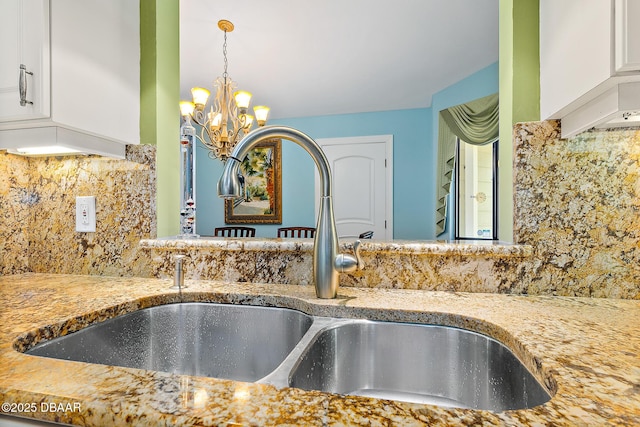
<point>311,58</point>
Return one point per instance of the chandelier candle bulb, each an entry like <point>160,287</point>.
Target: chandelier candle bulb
<point>200,96</point>
<point>215,119</point>
<point>243,99</point>
<point>248,121</point>
<point>262,112</point>
<point>187,108</point>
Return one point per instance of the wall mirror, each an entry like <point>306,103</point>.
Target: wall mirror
<point>336,69</point>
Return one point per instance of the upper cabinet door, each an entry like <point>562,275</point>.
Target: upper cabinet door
<point>24,43</point>
<point>590,63</point>
<point>575,51</point>
<point>627,35</point>
<point>95,67</point>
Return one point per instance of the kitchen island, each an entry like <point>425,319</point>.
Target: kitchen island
<point>586,352</point>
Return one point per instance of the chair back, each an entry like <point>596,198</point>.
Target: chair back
<point>234,232</point>
<point>307,232</point>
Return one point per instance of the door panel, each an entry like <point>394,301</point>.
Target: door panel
<point>355,202</point>
<point>361,185</point>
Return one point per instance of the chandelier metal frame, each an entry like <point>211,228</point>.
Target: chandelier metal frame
<point>227,120</point>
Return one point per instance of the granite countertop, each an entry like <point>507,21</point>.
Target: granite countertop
<point>586,351</point>
<point>431,247</point>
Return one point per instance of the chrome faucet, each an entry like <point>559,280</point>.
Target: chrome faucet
<point>327,262</point>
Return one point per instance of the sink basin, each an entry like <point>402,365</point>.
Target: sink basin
<point>237,342</point>
<point>437,365</point>
<point>430,364</point>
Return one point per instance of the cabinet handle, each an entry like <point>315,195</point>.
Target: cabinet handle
<point>23,85</point>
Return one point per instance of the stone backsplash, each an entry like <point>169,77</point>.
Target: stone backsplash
<point>37,204</point>
<point>577,203</point>
<point>435,266</point>
<point>16,198</point>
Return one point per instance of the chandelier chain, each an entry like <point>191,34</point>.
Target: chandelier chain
<point>224,53</point>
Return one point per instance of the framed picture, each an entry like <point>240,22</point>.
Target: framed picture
<point>261,179</point>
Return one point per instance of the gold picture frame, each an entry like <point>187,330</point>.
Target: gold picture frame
<point>261,180</point>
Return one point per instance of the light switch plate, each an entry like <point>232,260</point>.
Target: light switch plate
<point>86,214</point>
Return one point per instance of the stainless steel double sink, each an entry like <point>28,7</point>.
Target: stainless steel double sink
<point>429,364</point>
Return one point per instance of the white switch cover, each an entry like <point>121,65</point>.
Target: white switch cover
<point>86,213</point>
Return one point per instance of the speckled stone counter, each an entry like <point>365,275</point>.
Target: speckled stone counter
<point>466,266</point>
<point>586,352</point>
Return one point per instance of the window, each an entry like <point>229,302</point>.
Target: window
<point>476,189</point>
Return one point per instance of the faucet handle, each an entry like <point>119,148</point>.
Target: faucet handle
<point>356,252</point>
<point>347,263</point>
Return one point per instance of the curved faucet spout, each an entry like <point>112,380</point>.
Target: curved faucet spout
<point>327,263</point>
<point>247,143</point>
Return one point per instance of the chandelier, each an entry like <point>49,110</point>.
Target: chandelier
<point>227,120</point>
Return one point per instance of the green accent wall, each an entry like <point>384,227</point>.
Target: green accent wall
<point>519,76</point>
<point>148,98</point>
<point>526,61</point>
<point>159,98</point>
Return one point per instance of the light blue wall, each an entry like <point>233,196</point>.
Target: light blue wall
<point>415,155</point>
<point>410,130</point>
<point>297,191</point>
<point>209,207</point>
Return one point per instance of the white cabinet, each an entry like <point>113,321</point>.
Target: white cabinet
<point>84,60</point>
<point>24,41</point>
<point>627,35</point>
<point>589,62</point>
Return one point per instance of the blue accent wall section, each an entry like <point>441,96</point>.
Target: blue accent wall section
<point>410,130</point>
<point>209,207</point>
<point>415,154</point>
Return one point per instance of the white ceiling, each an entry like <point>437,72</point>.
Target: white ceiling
<point>309,58</point>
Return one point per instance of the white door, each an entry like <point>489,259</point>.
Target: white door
<point>24,40</point>
<point>362,173</point>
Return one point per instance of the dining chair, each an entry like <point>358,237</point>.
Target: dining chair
<point>364,235</point>
<point>234,232</point>
<point>307,232</point>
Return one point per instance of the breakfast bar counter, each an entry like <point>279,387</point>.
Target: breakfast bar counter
<point>586,352</point>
